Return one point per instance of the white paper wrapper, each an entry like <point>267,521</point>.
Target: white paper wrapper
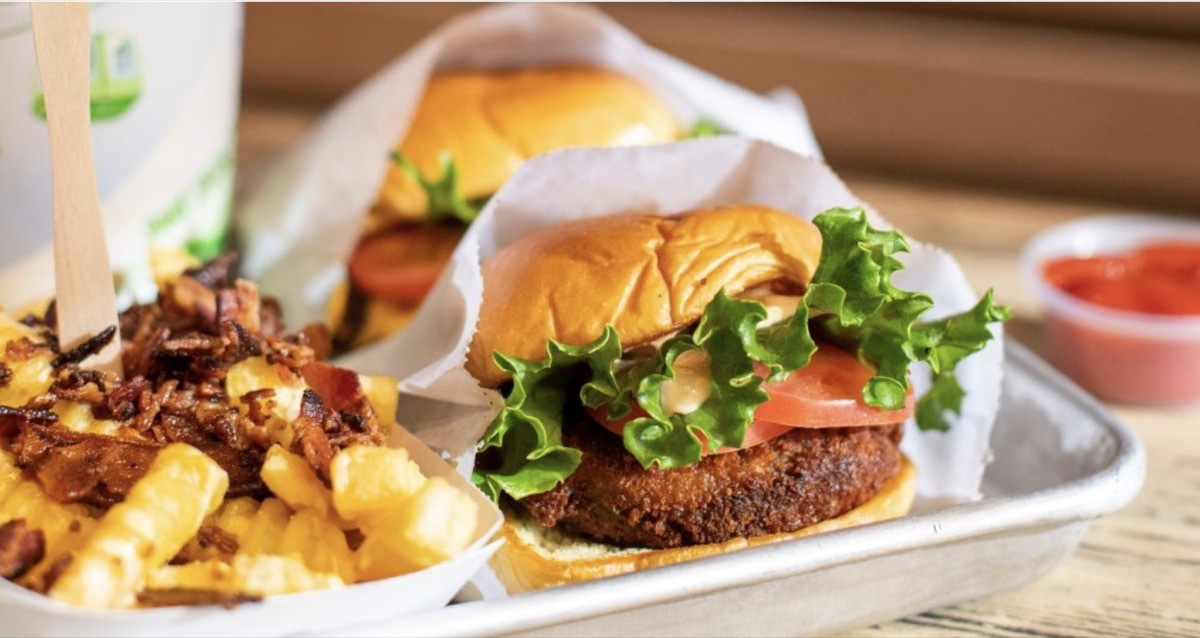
<point>299,227</point>
<point>447,408</point>
<point>23,613</point>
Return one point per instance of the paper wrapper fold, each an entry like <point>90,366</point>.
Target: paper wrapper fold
<point>299,226</point>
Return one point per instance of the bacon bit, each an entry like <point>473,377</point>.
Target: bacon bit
<point>243,468</point>
<point>337,387</point>
<point>243,344</point>
<point>342,391</point>
<point>87,386</point>
<point>213,536</point>
<point>124,397</point>
<point>317,337</point>
<point>285,372</point>
<point>50,318</point>
<point>354,539</point>
<point>311,441</point>
<point>23,349</point>
<point>259,404</point>
<point>6,375</point>
<point>138,355</point>
<point>54,572</point>
<point>190,301</point>
<point>220,422</point>
<point>12,420</point>
<point>89,347</point>
<point>44,401</point>
<point>240,305</point>
<point>33,321</point>
<point>78,467</point>
<point>270,318</point>
<point>214,274</point>
<point>150,405</point>
<point>20,548</point>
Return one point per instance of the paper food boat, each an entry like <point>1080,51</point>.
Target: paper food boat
<point>25,613</point>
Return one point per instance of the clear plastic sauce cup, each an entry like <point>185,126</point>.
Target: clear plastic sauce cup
<point>1120,356</point>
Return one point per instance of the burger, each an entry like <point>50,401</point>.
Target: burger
<point>687,385</point>
<point>470,133</point>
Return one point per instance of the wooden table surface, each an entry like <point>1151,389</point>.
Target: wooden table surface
<point>1137,572</point>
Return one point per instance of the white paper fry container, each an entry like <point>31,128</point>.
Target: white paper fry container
<point>299,227</point>
<point>448,410</point>
<point>24,613</point>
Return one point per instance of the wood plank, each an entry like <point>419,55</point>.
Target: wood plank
<point>1161,19</point>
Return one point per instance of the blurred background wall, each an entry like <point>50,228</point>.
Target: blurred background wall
<point>1088,101</point>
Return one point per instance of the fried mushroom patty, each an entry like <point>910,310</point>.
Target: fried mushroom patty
<point>795,480</point>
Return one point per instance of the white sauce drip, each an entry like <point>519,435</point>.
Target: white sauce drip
<point>691,386</point>
<point>779,307</point>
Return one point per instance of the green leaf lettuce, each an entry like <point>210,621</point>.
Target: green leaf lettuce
<point>444,194</point>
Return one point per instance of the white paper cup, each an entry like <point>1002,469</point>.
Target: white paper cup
<point>164,98</point>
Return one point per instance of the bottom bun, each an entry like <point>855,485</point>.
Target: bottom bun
<point>535,557</point>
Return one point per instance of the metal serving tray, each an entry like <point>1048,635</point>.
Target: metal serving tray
<point>1060,460</point>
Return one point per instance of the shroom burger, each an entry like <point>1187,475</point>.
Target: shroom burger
<point>685,385</point>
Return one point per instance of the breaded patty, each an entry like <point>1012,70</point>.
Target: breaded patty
<point>795,480</point>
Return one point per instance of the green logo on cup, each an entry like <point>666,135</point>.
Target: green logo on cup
<point>116,77</point>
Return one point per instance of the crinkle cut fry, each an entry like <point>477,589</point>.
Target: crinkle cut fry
<point>157,518</point>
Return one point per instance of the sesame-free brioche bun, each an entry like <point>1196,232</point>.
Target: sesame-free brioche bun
<point>490,122</point>
<point>535,557</point>
<point>645,275</point>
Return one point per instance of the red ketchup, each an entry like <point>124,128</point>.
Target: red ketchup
<point>1161,280</point>
<point>1158,279</point>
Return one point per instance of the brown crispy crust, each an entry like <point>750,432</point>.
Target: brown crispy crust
<point>796,480</point>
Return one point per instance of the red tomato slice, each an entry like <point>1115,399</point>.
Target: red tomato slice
<point>827,393</point>
<point>402,263</point>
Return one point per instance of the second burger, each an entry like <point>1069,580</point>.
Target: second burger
<point>470,133</point>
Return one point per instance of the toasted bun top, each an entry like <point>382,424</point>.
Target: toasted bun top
<point>646,275</point>
<point>490,122</point>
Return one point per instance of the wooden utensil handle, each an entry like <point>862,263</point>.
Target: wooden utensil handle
<point>83,276</point>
